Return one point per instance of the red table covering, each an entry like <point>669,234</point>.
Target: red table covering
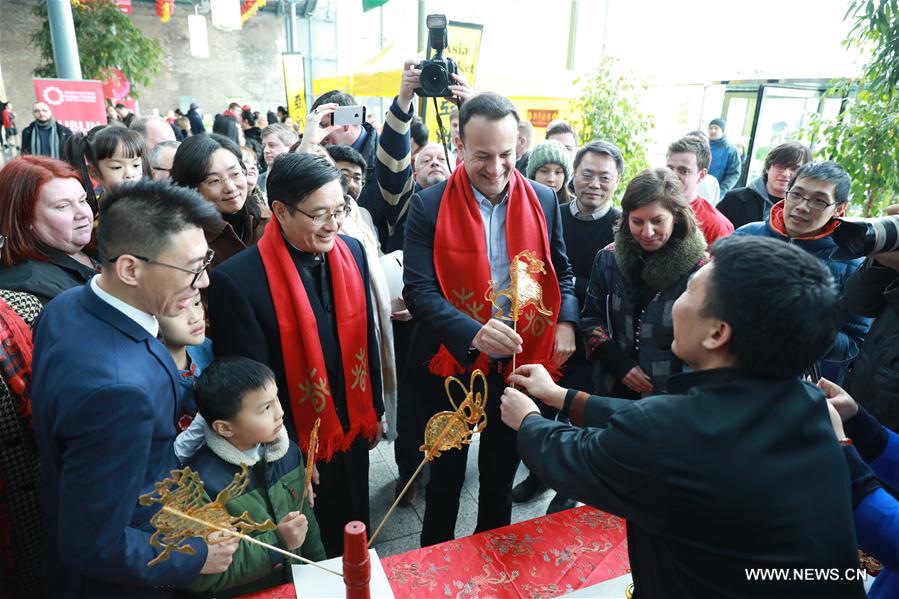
<point>540,558</point>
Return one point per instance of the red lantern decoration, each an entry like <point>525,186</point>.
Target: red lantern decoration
<point>115,84</point>
<point>164,9</point>
<point>248,8</point>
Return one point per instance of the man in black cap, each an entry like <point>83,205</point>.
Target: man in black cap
<point>726,163</point>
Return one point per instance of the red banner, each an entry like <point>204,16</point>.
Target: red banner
<point>77,104</point>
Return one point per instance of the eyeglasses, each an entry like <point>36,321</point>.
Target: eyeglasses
<point>797,198</point>
<point>234,178</point>
<point>197,273</point>
<point>589,177</point>
<point>360,179</point>
<point>321,219</point>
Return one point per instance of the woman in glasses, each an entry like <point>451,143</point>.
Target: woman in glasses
<point>213,165</point>
<point>626,320</point>
<point>48,225</point>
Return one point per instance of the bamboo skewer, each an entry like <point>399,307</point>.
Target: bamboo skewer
<point>246,537</point>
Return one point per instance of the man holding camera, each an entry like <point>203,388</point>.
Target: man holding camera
<point>817,195</point>
<point>459,235</point>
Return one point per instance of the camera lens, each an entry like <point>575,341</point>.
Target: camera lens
<point>434,80</point>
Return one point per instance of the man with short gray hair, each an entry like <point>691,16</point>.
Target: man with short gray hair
<point>276,140</point>
<point>161,158</point>
<point>154,129</point>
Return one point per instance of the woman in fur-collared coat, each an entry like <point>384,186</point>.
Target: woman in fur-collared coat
<point>626,320</point>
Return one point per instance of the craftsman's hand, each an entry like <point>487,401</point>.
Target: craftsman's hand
<point>410,81</point>
<point>461,91</point>
<point>563,344</point>
<point>839,399</point>
<point>315,133</point>
<point>219,555</point>
<point>293,528</point>
<point>515,406</point>
<point>636,380</point>
<point>497,338</point>
<point>536,382</point>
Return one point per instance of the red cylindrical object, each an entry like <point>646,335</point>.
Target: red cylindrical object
<point>356,565</point>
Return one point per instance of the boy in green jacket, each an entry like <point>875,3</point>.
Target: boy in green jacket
<point>238,398</point>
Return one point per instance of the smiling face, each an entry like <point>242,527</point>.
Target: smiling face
<point>118,169</point>
<point>595,181</point>
<point>801,219</point>
<point>63,220</point>
<point>489,153</point>
<point>225,184</point>
<point>187,328</point>
<point>651,225</point>
<point>298,226</point>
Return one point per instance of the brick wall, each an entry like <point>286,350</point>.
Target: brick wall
<point>244,64</point>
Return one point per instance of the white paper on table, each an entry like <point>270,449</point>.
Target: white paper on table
<point>610,589</point>
<point>392,265</point>
<point>312,583</point>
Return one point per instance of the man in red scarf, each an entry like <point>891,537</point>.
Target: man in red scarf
<point>299,302</point>
<point>459,235</point>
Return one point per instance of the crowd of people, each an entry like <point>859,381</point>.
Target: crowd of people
<point>687,356</point>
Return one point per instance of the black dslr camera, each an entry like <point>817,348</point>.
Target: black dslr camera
<point>437,73</point>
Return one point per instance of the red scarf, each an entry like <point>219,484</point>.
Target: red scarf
<point>304,362</point>
<point>460,262</point>
<point>15,358</point>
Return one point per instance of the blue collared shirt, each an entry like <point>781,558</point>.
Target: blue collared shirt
<point>494,218</point>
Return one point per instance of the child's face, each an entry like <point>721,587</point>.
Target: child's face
<point>188,328</point>
<point>118,169</point>
<point>260,418</point>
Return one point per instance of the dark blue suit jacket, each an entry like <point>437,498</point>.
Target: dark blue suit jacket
<point>436,319</point>
<point>104,400</point>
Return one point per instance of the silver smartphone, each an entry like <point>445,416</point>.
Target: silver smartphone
<point>348,115</point>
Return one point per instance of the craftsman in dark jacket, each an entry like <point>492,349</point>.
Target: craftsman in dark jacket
<point>737,468</point>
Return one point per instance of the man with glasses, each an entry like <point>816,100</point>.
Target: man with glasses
<point>587,226</point>
<point>815,197</point>
<point>161,158</point>
<point>753,203</point>
<point>105,395</point>
<point>299,302</point>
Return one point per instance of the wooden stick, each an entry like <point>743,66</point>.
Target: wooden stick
<point>428,457</point>
<point>514,355</point>
<point>246,537</point>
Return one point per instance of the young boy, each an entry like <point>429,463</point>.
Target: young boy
<point>238,398</point>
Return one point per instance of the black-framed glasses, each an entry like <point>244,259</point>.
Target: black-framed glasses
<point>196,272</point>
<point>794,197</point>
<point>321,219</point>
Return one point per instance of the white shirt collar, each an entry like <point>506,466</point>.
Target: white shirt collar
<point>482,199</point>
<point>572,206</point>
<point>145,320</point>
